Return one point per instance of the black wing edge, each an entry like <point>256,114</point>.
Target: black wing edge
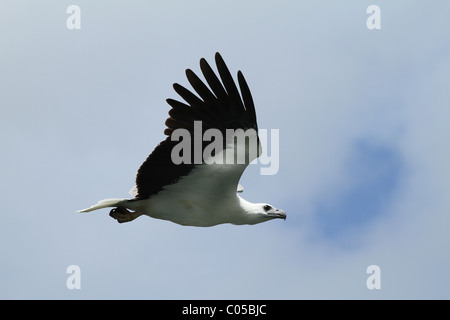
<point>219,106</point>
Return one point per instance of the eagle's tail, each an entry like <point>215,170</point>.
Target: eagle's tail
<point>105,204</point>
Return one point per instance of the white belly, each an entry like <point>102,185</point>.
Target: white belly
<point>205,197</point>
<point>189,208</point>
<point>188,203</point>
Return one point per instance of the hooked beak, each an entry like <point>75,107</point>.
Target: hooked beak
<point>280,214</point>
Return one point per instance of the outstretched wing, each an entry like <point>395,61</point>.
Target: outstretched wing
<point>218,107</point>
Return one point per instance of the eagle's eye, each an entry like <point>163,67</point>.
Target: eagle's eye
<point>267,207</point>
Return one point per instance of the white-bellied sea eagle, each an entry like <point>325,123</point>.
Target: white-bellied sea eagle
<point>192,177</point>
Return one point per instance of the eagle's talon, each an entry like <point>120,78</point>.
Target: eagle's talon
<point>121,214</point>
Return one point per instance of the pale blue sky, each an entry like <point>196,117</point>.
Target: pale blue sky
<point>364,153</point>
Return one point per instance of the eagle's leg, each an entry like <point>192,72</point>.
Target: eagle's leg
<point>122,215</point>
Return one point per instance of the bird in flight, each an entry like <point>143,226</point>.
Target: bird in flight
<point>192,177</point>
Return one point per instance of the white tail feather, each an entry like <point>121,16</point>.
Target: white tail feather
<point>104,204</point>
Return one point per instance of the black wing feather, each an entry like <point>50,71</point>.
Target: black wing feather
<point>233,94</point>
<point>220,106</point>
<point>248,101</point>
<point>201,88</point>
